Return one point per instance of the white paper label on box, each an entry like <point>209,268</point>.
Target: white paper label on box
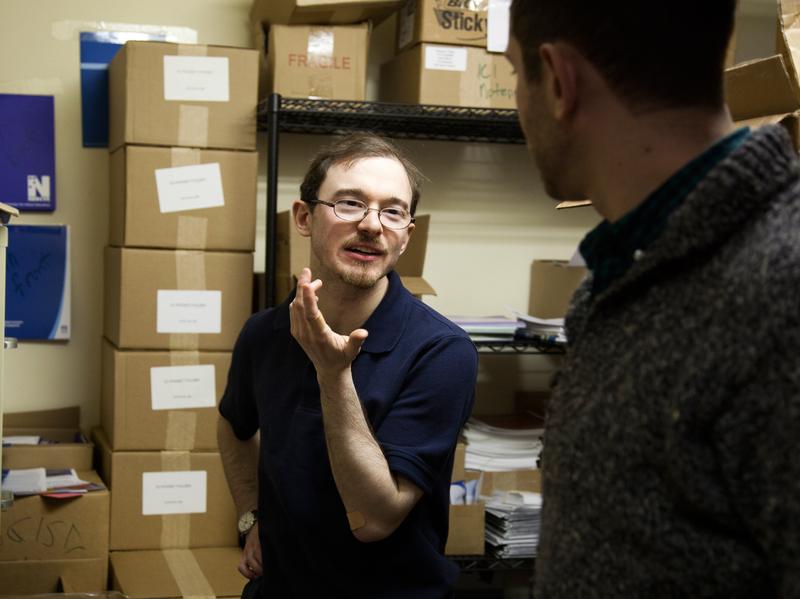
<point>196,78</point>
<point>183,387</point>
<point>189,187</point>
<point>497,28</point>
<point>181,311</point>
<point>174,492</point>
<point>445,58</point>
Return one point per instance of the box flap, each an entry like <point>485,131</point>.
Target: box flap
<point>760,88</point>
<point>322,12</point>
<point>417,286</point>
<point>62,418</point>
<point>147,574</point>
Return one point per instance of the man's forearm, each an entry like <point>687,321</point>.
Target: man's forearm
<point>240,462</point>
<point>376,501</point>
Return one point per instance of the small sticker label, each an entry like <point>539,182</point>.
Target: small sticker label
<point>183,387</point>
<point>174,492</point>
<point>445,58</point>
<point>189,187</point>
<point>181,311</point>
<point>196,78</point>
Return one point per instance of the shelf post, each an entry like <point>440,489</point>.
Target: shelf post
<point>273,118</point>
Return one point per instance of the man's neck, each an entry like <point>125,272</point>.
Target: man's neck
<point>646,151</point>
<point>347,307</point>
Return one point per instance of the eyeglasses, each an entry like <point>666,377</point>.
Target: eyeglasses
<point>352,210</point>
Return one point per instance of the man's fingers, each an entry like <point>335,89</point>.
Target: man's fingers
<point>356,340</point>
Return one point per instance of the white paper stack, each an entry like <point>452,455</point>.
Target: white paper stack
<point>488,328</point>
<point>550,330</point>
<point>495,449</point>
<point>512,523</point>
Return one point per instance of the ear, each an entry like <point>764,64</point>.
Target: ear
<point>302,217</point>
<point>560,78</point>
<point>410,230</point>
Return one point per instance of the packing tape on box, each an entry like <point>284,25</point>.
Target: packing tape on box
<point>192,125</point>
<point>320,59</point>
<point>192,231</point>
<point>175,528</point>
<point>181,430</point>
<point>188,575</point>
<point>192,50</point>
<point>190,269</point>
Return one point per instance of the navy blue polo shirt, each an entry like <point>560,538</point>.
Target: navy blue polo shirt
<point>415,377</point>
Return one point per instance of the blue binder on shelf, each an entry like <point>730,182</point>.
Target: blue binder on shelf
<point>38,282</point>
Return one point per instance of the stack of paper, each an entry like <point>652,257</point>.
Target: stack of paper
<point>512,523</point>
<point>488,328</point>
<point>35,481</point>
<point>547,330</point>
<point>495,449</point>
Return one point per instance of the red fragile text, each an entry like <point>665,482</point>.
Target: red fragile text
<point>339,63</point>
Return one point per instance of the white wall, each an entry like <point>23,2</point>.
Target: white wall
<point>490,217</point>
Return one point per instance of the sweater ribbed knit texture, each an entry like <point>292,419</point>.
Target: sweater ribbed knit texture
<point>671,465</point>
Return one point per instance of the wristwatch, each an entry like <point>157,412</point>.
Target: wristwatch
<point>247,521</point>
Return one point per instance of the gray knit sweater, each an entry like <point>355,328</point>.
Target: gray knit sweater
<point>671,465</point>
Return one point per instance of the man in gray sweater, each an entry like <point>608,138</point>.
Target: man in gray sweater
<point>671,464</point>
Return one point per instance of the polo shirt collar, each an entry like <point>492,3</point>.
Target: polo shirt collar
<point>385,325</point>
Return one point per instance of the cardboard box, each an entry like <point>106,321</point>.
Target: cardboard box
<point>170,499</point>
<point>458,462</point>
<point>162,400</point>
<point>167,574</point>
<point>319,12</point>
<point>183,198</point>
<point>466,534</point>
<point>553,283</point>
<point>512,480</point>
<point>448,75</point>
<point>293,253</point>
<point>71,449</point>
<point>461,22</point>
<point>302,61</point>
<point>185,299</point>
<point>196,96</point>
<point>761,92</point>
<point>37,528</point>
<point>54,576</point>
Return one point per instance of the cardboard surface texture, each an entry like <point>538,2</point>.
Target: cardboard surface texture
<point>458,462</point>
<point>553,282</point>
<point>62,425</point>
<point>448,75</point>
<point>761,92</point>
<point>135,406</point>
<point>466,530</point>
<point>302,61</point>
<point>512,480</point>
<point>462,22</point>
<point>186,211</point>
<point>183,95</point>
<point>319,12</point>
<point>176,522</point>
<point>293,253</point>
<point>161,299</point>
<point>54,576</point>
<point>42,528</point>
<point>169,574</point>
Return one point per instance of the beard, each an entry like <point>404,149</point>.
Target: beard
<point>358,275</point>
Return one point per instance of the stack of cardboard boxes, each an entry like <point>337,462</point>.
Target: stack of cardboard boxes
<point>178,288</point>
<point>315,48</point>
<point>443,59</point>
<point>50,545</point>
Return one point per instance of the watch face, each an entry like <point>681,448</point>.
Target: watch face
<point>246,522</point>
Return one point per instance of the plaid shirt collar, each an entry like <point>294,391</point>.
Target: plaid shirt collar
<point>611,248</point>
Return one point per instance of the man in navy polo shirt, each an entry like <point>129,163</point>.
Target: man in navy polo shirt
<point>358,391</point>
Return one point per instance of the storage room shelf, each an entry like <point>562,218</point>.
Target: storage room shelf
<point>483,563</point>
<point>301,115</point>
<point>518,347</point>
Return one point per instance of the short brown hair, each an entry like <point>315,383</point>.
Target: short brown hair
<point>660,54</point>
<point>347,150</point>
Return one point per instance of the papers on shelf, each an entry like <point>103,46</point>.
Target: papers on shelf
<point>512,523</point>
<point>550,330</point>
<point>20,440</point>
<point>491,448</point>
<point>488,328</point>
<point>36,481</point>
